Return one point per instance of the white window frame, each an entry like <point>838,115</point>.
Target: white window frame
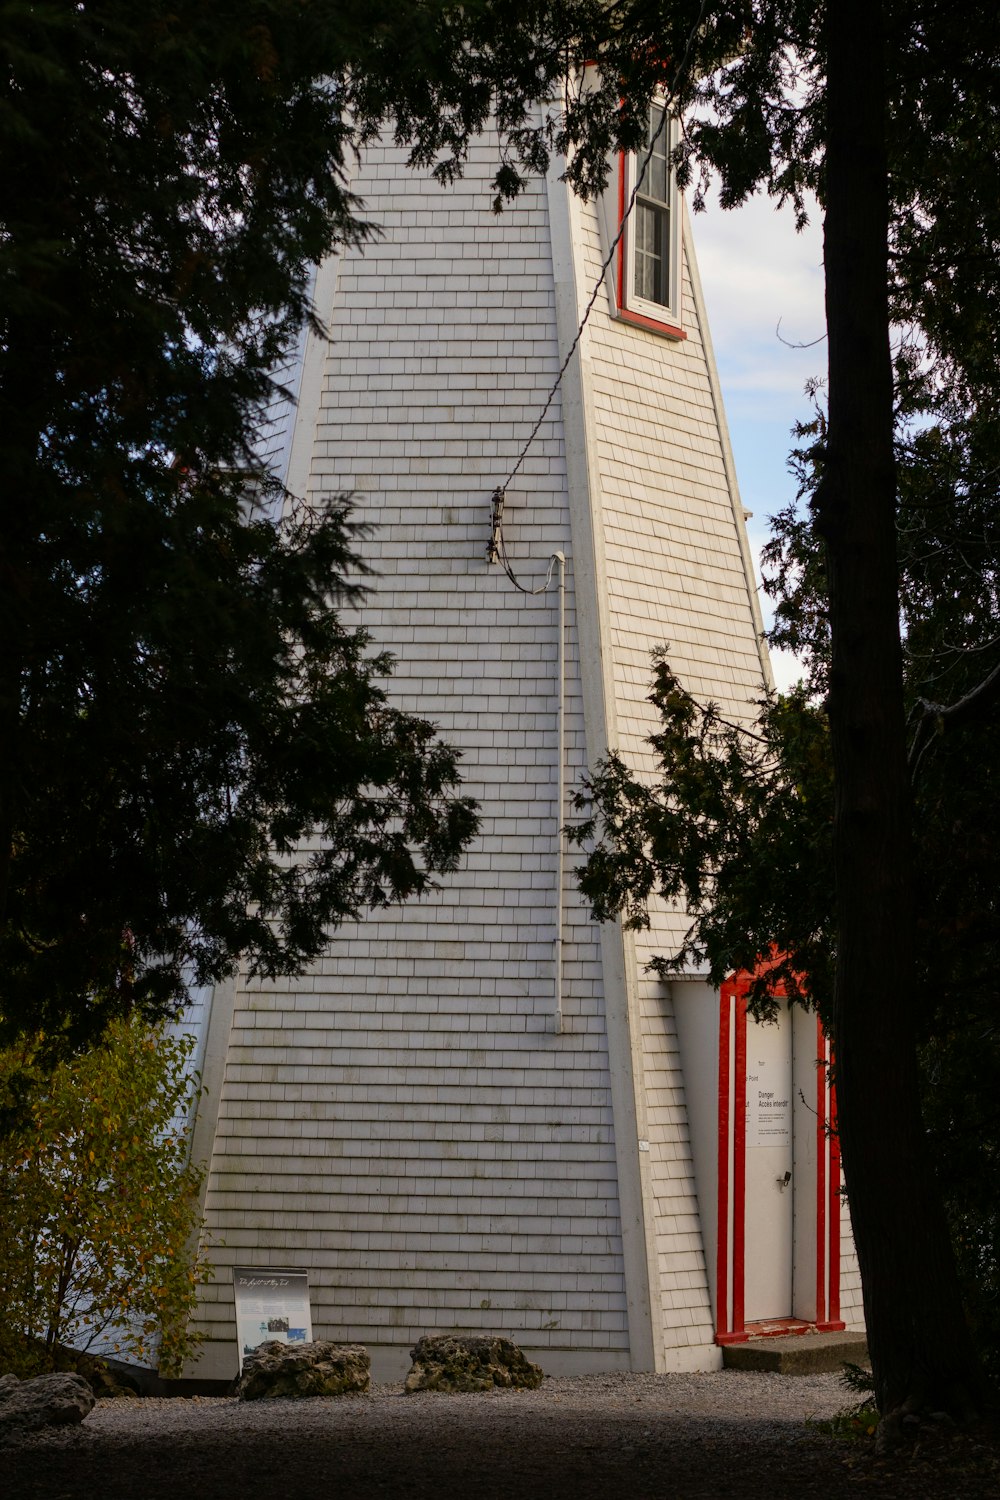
<point>660,317</point>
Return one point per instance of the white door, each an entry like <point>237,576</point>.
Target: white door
<point>769,1186</point>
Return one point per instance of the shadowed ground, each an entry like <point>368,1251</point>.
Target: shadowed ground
<point>647,1440</point>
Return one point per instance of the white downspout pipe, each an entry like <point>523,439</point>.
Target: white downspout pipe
<point>560,559</point>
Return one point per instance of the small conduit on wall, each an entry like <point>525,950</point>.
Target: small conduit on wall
<point>559,559</point>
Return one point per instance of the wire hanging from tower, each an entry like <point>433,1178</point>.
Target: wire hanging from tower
<point>496,550</point>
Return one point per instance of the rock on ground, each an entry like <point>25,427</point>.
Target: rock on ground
<point>103,1381</point>
<point>317,1369</point>
<point>45,1401</point>
<point>470,1362</point>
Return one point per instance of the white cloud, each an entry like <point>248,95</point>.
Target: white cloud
<point>764,290</point>
<point>787,669</point>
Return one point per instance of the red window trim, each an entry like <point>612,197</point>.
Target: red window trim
<point>638,320</point>
<point>625,313</point>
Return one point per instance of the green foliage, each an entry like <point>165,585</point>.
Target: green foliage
<point>854,1423</point>
<point>215,716</point>
<point>98,1202</point>
<point>773,95</point>
<point>735,827</point>
<point>737,824</point>
<point>860,1419</point>
<point>856,1379</point>
<point>948,512</point>
<point>182,708</point>
<point>178,699</point>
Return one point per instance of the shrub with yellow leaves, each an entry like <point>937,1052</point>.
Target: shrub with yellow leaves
<point>98,1201</point>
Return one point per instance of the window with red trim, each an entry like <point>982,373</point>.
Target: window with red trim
<point>648,273</point>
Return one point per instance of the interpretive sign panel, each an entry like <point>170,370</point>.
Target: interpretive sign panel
<point>271,1303</point>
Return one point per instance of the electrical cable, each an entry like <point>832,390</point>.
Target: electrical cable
<point>497,550</point>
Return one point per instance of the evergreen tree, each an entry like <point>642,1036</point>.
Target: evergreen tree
<point>154,268</point>
<point>198,761</point>
<point>889,244</point>
<point>844,99</point>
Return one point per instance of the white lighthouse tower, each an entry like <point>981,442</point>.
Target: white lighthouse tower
<point>479,1111</point>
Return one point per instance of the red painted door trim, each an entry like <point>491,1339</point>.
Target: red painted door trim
<point>740,1163</point>
<point>722,1179</point>
<point>821,1153</point>
<point>729,1319</point>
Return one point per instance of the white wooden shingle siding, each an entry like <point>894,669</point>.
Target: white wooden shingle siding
<point>405,1121</point>
<point>678,578</point>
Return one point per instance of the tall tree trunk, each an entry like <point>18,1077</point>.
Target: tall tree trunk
<point>921,1352</point>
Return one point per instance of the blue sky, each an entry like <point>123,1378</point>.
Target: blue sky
<point>761,277</point>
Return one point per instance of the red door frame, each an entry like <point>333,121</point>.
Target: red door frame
<point>729,1311</point>
<point>730,1319</point>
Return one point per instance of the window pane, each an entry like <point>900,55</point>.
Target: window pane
<point>651,273</point>
<point>651,242</point>
<point>657,173</point>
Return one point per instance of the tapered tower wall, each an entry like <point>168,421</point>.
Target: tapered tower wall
<point>445,1127</point>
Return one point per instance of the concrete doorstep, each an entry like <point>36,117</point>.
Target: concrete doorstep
<point>797,1354</point>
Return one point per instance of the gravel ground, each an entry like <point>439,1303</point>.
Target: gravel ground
<point>630,1437</point>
